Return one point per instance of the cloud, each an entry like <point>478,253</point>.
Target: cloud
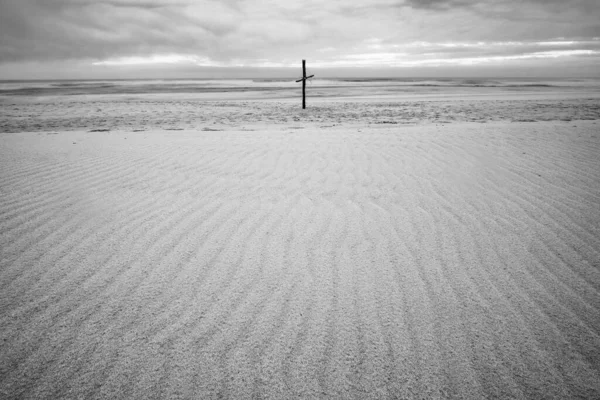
<point>280,32</point>
<point>438,4</point>
<point>511,7</point>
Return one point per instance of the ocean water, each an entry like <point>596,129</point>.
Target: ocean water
<point>90,87</point>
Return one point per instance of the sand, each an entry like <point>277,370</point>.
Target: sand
<point>357,249</point>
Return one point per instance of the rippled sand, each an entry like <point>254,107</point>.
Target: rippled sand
<point>317,256</point>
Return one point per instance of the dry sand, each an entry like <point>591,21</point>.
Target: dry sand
<point>353,250</point>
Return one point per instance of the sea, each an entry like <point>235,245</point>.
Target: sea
<point>165,86</point>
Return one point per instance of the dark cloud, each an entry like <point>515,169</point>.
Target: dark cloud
<point>525,19</point>
<point>82,29</point>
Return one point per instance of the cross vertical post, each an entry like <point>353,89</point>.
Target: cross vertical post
<point>303,84</point>
<point>303,80</point>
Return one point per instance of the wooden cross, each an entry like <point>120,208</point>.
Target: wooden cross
<point>303,80</point>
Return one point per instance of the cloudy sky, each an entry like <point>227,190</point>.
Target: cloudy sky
<point>254,38</point>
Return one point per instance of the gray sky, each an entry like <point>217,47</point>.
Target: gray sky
<point>237,38</point>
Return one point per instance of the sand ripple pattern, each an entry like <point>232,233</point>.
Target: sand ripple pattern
<point>405,262</point>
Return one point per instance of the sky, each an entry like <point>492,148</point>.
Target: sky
<point>101,39</point>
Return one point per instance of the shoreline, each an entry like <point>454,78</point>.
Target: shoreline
<point>127,113</point>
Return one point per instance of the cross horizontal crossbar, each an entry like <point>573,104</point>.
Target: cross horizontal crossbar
<point>303,79</point>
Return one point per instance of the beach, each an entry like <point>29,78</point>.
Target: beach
<point>421,242</point>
